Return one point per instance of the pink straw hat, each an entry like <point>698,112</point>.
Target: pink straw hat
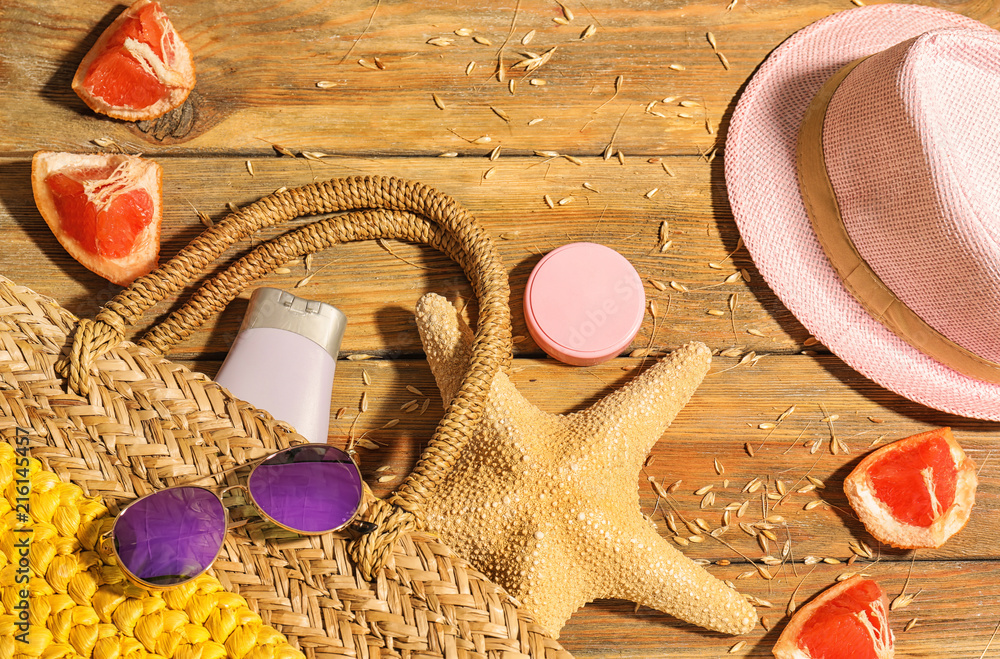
<point>863,169</point>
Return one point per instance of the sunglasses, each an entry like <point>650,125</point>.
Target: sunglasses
<point>174,535</point>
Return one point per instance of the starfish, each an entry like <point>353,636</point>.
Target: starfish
<point>547,505</point>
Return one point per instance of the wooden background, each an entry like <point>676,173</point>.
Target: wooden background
<point>258,65</point>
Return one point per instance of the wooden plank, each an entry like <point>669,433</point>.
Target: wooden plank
<point>258,67</point>
<point>724,414</point>
<point>511,208</point>
<point>956,616</point>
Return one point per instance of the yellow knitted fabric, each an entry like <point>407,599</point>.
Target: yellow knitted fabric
<point>79,604</point>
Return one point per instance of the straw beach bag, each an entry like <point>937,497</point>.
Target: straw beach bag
<point>108,420</point>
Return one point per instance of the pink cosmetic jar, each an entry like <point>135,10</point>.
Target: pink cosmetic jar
<point>584,303</point>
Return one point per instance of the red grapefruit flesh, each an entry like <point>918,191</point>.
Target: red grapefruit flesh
<point>916,492</point>
<point>105,210</point>
<point>138,69</point>
<point>849,620</point>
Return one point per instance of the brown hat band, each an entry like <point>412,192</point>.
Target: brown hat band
<point>854,272</point>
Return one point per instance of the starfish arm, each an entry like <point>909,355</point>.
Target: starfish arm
<point>661,577</point>
<point>447,342</point>
<point>641,411</point>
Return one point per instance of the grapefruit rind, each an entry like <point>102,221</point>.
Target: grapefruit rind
<point>175,71</point>
<point>879,520</point>
<point>883,640</point>
<point>140,173</point>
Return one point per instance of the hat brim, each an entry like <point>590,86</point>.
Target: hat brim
<point>764,194</point>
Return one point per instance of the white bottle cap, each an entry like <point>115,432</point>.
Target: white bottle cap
<point>321,323</point>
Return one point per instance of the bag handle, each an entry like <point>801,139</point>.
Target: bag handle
<point>445,225</point>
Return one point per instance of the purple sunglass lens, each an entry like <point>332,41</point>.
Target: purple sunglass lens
<point>170,536</point>
<point>309,489</point>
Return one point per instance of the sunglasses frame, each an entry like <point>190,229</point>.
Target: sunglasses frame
<point>109,548</point>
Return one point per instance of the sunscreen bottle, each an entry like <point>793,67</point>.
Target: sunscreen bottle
<point>284,358</point>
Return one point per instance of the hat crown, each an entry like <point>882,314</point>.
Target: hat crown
<point>911,144</point>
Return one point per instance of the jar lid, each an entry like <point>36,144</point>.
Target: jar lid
<point>584,303</point>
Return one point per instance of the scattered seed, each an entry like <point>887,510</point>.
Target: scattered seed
<point>902,601</point>
<point>724,60</point>
<point>368,65</point>
<point>716,312</point>
<point>749,449</point>
<point>489,172</point>
<point>812,560</point>
<point>364,377</point>
<point>537,82</point>
<point>681,541</point>
<point>526,39</point>
<point>765,426</point>
<point>673,486</point>
<point>573,159</point>
<point>566,200</point>
<point>677,67</point>
<point>815,481</point>
<point>719,469</point>
<point>438,102</point>
<point>470,67</point>
<point>511,85</point>
<point>737,647</point>
<point>548,201</point>
<point>495,153</point>
<point>755,332</point>
<point>708,500</point>
<point>440,42</point>
<point>711,41</point>
<point>588,32</point>
<point>678,287</point>
<point>567,12</point>
<point>669,171</point>
<point>652,309</point>
<point>806,488</point>
<point>752,486</point>
<point>731,278</point>
<point>702,490</point>
<point>390,423</point>
<point>326,84</point>
<point>561,20</point>
<point>831,561</point>
<point>368,444</point>
<point>500,113</point>
<point>765,622</point>
<point>282,271</point>
<point>482,41</point>
<point>463,32</point>
<point>536,121</point>
<point>424,405</point>
<point>910,625</point>
<point>621,157</point>
<point>364,401</point>
<point>651,193</point>
<point>657,488</point>
<point>386,478</point>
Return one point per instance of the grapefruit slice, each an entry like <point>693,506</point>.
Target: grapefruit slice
<point>138,69</point>
<point>849,620</point>
<point>104,209</point>
<point>916,492</point>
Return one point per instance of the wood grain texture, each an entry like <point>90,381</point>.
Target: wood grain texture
<point>258,64</point>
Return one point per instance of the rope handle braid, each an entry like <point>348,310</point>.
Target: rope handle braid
<point>396,209</point>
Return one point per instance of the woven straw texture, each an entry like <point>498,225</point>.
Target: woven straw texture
<point>116,419</point>
<point>916,180</point>
<point>761,179</point>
